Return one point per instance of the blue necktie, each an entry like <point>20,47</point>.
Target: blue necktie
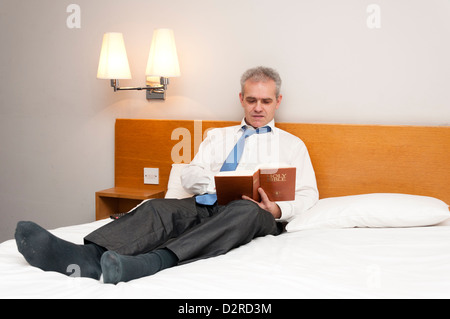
<point>232,160</point>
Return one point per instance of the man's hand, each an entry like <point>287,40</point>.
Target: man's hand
<point>266,204</point>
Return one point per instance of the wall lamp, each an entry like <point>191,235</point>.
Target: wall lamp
<point>162,63</point>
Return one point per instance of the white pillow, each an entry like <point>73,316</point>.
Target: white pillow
<point>174,187</point>
<point>372,210</point>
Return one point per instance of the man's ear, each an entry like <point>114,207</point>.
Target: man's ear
<point>241,98</point>
<point>280,97</point>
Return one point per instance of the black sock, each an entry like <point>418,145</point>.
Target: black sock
<point>117,268</point>
<point>43,250</point>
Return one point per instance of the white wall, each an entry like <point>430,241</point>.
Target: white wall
<point>57,119</point>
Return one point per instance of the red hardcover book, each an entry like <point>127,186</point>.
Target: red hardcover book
<point>278,184</point>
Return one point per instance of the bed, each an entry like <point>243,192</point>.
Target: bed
<point>380,230</point>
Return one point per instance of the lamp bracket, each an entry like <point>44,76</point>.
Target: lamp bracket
<point>154,92</point>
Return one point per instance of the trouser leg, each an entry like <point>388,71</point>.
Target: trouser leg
<point>230,226</point>
<point>149,226</point>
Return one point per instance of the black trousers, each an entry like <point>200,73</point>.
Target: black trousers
<point>189,230</point>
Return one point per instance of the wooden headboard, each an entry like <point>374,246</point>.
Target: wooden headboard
<point>347,159</point>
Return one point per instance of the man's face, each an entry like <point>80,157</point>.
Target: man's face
<point>259,102</point>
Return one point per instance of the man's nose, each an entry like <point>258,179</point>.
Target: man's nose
<point>258,106</point>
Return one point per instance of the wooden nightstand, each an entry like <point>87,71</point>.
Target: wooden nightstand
<point>120,200</point>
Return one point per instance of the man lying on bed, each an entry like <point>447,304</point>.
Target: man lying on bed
<point>162,233</point>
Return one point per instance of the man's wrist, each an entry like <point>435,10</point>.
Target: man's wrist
<point>277,212</point>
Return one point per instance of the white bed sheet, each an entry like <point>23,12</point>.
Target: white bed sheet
<point>340,263</point>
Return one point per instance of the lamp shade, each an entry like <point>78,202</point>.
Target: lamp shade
<point>113,62</point>
<point>163,57</point>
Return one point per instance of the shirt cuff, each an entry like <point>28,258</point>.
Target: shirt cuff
<point>286,211</point>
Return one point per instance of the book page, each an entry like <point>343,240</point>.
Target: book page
<point>271,168</point>
<point>236,173</point>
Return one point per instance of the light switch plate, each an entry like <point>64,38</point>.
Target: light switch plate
<point>151,176</point>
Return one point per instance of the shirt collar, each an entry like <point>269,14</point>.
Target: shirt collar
<point>271,124</point>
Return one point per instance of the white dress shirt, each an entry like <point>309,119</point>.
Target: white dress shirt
<point>277,147</point>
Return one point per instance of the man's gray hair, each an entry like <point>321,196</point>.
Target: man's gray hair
<point>263,74</point>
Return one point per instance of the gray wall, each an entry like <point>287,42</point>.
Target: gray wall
<point>342,61</point>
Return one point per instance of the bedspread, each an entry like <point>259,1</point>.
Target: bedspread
<point>339,263</point>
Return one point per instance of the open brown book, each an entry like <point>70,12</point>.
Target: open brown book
<point>278,183</point>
